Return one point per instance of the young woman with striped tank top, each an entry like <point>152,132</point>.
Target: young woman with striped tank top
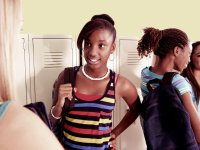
<point>88,125</point>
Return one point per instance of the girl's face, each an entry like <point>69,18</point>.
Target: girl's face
<point>183,58</point>
<point>98,47</point>
<point>195,58</point>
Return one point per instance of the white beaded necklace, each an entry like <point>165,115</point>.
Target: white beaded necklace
<point>96,79</point>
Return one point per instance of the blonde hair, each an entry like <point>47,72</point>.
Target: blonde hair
<point>10,11</point>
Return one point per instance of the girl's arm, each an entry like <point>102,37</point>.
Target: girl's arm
<point>61,91</point>
<point>194,117</point>
<point>126,90</point>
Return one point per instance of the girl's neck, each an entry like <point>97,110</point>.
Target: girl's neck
<point>162,66</point>
<point>160,70</point>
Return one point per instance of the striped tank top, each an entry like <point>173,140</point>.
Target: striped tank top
<point>87,126</point>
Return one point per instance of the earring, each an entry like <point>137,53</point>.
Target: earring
<point>111,57</point>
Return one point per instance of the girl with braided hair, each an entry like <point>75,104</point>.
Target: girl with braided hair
<point>88,124</point>
<point>171,47</point>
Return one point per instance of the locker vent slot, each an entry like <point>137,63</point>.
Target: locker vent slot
<point>133,58</point>
<point>53,59</point>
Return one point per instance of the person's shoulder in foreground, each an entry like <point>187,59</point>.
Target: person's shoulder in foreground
<point>22,130</point>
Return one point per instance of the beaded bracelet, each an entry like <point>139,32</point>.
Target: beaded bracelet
<point>53,114</point>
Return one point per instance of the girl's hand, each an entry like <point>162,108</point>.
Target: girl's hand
<point>112,143</point>
<point>65,91</point>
